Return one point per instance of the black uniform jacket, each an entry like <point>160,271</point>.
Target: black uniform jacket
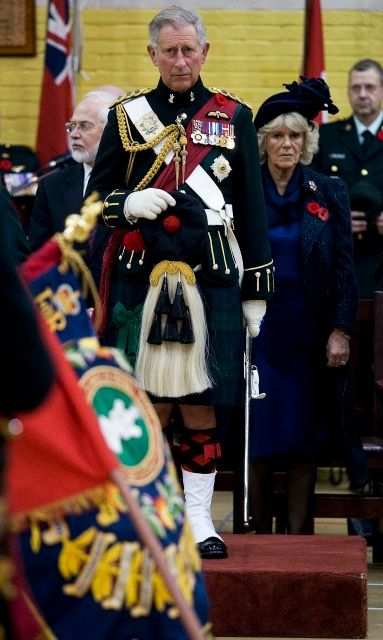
<point>329,272</point>
<point>241,188</point>
<point>340,154</point>
<point>26,372</point>
<point>59,194</point>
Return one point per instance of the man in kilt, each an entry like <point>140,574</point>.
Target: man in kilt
<point>178,173</point>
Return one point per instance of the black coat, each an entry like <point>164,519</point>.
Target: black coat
<point>15,233</point>
<point>59,194</point>
<point>340,154</point>
<point>26,372</point>
<point>329,273</point>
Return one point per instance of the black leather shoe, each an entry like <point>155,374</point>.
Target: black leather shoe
<point>212,549</point>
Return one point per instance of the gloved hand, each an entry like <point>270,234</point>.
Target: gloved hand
<point>253,312</point>
<point>147,203</point>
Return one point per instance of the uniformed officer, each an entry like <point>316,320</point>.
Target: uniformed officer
<point>18,163</point>
<point>17,158</point>
<point>353,150</point>
<point>183,136</point>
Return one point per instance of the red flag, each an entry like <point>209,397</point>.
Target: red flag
<point>313,58</point>
<point>61,452</point>
<point>56,102</point>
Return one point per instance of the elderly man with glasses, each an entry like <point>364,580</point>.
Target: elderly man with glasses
<point>61,192</point>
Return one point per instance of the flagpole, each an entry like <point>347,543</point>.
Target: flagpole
<point>188,616</point>
<point>76,46</point>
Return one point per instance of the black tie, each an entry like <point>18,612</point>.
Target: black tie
<point>367,139</point>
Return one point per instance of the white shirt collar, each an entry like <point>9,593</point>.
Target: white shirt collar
<point>87,170</point>
<point>373,127</point>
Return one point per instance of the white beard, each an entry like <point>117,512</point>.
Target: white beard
<point>84,156</point>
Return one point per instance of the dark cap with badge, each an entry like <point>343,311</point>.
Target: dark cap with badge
<point>308,97</point>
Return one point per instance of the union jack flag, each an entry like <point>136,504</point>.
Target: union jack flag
<point>57,92</point>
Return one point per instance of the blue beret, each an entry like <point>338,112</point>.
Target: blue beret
<point>308,97</point>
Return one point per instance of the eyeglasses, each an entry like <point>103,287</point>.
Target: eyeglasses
<point>83,126</point>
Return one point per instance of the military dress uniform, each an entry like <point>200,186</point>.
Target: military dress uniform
<point>341,154</point>
<point>227,182</point>
<point>206,140</point>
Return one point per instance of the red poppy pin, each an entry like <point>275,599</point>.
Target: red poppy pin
<point>316,210</point>
<point>221,99</point>
<point>379,135</point>
<point>5,164</point>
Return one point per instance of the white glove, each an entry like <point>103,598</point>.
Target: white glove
<point>253,312</point>
<point>147,203</point>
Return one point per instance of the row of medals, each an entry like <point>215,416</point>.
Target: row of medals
<point>217,134</point>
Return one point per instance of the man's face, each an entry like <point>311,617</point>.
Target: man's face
<point>365,93</point>
<point>85,136</point>
<point>178,56</point>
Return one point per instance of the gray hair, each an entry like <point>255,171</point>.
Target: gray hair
<point>177,17</point>
<point>365,65</point>
<point>105,99</point>
<point>296,122</point>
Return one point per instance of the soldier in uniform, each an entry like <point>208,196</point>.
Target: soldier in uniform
<point>184,137</point>
<point>352,149</point>
<point>20,163</point>
<point>17,158</point>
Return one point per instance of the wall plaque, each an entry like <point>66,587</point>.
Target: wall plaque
<point>17,28</point>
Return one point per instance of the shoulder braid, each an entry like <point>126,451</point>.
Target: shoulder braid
<point>228,94</point>
<point>129,95</point>
<point>172,132</point>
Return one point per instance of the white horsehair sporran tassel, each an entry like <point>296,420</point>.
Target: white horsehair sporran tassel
<point>173,369</point>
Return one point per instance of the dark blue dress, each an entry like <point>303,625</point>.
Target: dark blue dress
<point>282,423</point>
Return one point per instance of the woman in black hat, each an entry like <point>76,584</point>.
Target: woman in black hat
<point>302,351</point>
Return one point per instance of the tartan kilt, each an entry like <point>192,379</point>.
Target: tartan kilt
<point>223,308</point>
<point>224,316</point>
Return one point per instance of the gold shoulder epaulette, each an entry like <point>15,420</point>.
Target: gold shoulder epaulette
<point>228,94</point>
<point>135,93</point>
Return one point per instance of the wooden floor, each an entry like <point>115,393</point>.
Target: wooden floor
<point>223,519</point>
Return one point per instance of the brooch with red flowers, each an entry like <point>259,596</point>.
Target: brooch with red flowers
<point>379,135</point>
<point>316,210</point>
